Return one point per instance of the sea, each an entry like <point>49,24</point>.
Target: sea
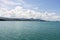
<point>29,30</point>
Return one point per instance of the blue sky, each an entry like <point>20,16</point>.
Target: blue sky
<point>49,5</point>
<point>44,9</point>
<point>43,5</point>
<point>46,5</point>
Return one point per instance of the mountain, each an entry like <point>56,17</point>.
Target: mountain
<point>18,19</point>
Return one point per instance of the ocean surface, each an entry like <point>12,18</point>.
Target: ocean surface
<point>29,30</point>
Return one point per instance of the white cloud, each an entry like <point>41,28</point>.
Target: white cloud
<point>20,12</point>
<point>9,2</point>
<point>13,3</point>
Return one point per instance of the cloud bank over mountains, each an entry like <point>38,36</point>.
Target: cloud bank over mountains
<point>20,12</point>
<point>17,10</point>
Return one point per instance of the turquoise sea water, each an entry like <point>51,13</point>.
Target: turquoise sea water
<point>29,30</point>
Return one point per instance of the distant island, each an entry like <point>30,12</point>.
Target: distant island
<point>19,19</point>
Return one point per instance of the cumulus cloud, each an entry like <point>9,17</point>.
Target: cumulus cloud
<point>13,3</point>
<point>20,12</point>
<point>10,2</point>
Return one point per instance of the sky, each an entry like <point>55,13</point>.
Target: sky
<point>37,9</point>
